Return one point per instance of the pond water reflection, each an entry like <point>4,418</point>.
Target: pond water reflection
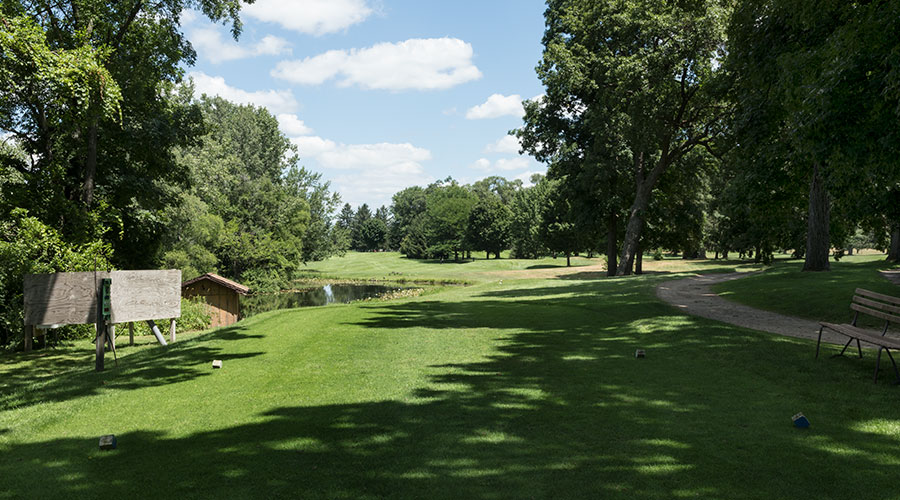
<point>328,294</point>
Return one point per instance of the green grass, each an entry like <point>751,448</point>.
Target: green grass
<point>822,296</point>
<point>392,266</point>
<point>525,389</point>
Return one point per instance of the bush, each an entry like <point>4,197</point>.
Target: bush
<point>194,315</point>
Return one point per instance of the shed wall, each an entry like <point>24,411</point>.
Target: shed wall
<point>222,303</point>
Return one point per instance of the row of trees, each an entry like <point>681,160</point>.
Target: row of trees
<point>107,160</point>
<point>446,220</point>
<point>772,123</point>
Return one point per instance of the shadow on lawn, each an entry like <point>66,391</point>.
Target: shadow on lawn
<point>561,409</point>
<point>61,376</point>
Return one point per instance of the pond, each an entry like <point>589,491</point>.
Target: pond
<point>328,294</point>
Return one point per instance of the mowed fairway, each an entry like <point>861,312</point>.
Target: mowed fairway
<point>527,388</point>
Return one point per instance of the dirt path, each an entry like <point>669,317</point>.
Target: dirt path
<point>892,276</point>
<point>694,296</point>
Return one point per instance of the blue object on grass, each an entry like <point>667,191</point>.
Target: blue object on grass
<point>800,421</point>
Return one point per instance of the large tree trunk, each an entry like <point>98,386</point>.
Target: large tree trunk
<point>639,260</point>
<point>611,243</point>
<point>637,213</point>
<point>817,235</point>
<point>894,249</point>
<point>90,166</point>
<point>633,231</point>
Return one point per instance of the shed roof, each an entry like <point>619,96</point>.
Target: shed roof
<point>215,278</point>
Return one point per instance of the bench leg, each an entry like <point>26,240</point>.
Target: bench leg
<point>859,348</point>
<point>845,347</point>
<point>896,372</point>
<point>819,342</point>
<point>878,364</point>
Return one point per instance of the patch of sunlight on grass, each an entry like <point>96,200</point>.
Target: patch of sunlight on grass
<point>417,474</point>
<point>653,403</point>
<point>660,469</point>
<point>880,426</point>
<point>661,324</point>
<point>306,444</point>
<point>528,393</point>
<point>695,493</point>
<point>453,462</point>
<point>668,443</point>
<point>826,444</point>
<point>492,437</point>
<point>578,357</point>
<point>514,406</point>
<point>477,472</point>
<point>380,439</point>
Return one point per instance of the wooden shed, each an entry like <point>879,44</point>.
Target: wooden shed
<point>222,297</point>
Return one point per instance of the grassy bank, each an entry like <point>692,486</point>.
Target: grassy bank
<point>522,389</point>
<point>822,296</point>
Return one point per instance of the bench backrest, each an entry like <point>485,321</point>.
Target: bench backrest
<point>877,305</point>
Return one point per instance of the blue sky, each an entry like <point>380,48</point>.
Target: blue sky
<point>379,95</point>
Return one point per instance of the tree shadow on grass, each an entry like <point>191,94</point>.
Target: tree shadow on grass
<point>560,409</point>
<point>546,417</point>
<point>62,376</point>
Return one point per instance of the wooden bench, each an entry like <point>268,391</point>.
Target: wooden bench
<point>875,305</point>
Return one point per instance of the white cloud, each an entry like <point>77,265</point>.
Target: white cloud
<point>506,144</point>
<point>415,64</point>
<point>312,17</point>
<point>400,157</point>
<point>187,16</point>
<point>277,101</point>
<point>313,146</point>
<point>369,173</point>
<point>497,105</point>
<point>292,125</point>
<point>213,46</point>
<point>503,164</point>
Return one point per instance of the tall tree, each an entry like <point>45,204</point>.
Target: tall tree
<point>363,214</point>
<point>446,215</point>
<point>527,217</point>
<point>488,226</point>
<point>407,206</point>
<point>122,164</point>
<point>259,214</point>
<point>821,75</point>
<point>646,72</point>
<point>558,231</point>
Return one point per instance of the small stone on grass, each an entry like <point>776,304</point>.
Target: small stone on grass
<point>217,363</point>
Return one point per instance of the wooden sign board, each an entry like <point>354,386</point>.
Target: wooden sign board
<point>71,298</point>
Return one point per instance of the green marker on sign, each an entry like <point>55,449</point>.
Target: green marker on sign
<point>106,285</point>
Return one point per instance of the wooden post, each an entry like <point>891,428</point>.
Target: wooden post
<point>131,333</point>
<point>101,331</point>
<point>172,330</point>
<point>99,341</point>
<point>29,335</point>
<point>112,337</point>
